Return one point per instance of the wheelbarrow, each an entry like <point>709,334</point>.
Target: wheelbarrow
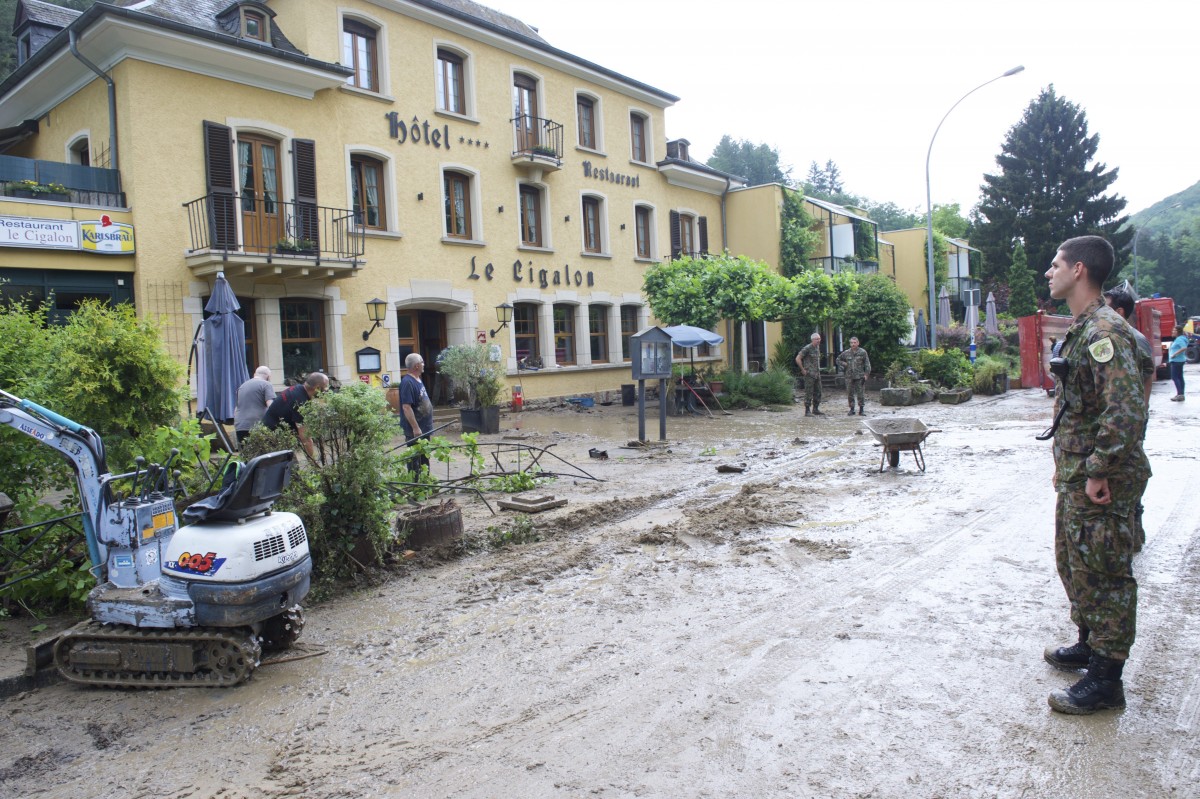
<point>898,435</point>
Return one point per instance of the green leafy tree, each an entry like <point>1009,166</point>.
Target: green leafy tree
<point>815,298</point>
<point>948,220</point>
<point>757,163</point>
<point>877,314</point>
<point>111,371</point>
<point>676,293</point>
<point>890,216</point>
<point>1048,188</point>
<point>1022,299</point>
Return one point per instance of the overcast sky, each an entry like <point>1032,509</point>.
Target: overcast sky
<point>865,83</point>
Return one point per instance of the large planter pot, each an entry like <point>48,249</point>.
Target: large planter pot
<point>896,396</point>
<point>431,526</point>
<point>393,398</point>
<point>481,420</point>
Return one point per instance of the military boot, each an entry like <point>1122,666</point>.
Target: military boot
<point>851,411</point>
<point>1070,658</point>
<point>817,409</point>
<point>808,410</point>
<point>1100,689</point>
<point>860,411</point>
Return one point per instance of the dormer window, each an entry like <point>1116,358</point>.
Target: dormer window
<point>254,25</point>
<point>247,19</point>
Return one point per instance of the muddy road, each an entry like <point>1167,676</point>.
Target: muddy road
<point>806,628</point>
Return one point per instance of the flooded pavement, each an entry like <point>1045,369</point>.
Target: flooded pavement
<point>809,627</point>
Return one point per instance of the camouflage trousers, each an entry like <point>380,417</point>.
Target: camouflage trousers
<point>1093,548</point>
<point>812,390</point>
<point>856,390</point>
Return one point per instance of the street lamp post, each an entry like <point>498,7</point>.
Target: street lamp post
<point>929,207</point>
<point>1135,238</point>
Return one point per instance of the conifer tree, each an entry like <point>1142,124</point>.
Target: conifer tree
<point>1022,300</point>
<point>1048,188</point>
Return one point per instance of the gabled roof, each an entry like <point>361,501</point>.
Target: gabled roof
<point>44,13</point>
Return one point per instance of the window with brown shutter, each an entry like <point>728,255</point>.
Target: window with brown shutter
<point>222,191</point>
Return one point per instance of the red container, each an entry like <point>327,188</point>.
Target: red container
<point>518,399</point>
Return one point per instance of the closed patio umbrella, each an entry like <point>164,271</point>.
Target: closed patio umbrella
<point>944,319</point>
<point>922,331</point>
<point>991,324</point>
<point>223,363</point>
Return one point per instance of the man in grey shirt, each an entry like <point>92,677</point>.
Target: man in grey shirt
<point>253,398</point>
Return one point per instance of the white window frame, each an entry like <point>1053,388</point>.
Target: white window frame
<point>391,219</point>
<point>476,236</point>
<point>647,132</point>
<point>597,121</point>
<point>381,52</point>
<point>468,59</point>
<point>653,232</point>
<point>602,202</point>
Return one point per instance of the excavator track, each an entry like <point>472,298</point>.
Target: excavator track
<point>120,656</point>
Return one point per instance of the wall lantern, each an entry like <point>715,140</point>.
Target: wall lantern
<point>376,309</point>
<point>503,316</point>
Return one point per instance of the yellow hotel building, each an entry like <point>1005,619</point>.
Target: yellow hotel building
<point>433,154</point>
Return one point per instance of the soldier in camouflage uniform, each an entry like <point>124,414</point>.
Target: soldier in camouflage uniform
<point>857,365</point>
<point>809,361</point>
<point>1100,470</point>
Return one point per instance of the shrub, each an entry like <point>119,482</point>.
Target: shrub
<point>901,373</point>
<point>471,369</point>
<point>948,368</point>
<point>342,495</point>
<point>878,315</point>
<point>986,371</point>
<point>745,390</point>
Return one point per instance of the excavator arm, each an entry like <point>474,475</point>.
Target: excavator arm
<point>81,447</point>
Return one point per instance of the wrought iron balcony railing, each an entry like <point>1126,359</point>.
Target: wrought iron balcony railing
<point>535,136</point>
<point>254,225</point>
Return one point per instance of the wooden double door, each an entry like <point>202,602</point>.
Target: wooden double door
<point>424,332</point>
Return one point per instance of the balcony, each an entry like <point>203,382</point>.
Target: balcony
<point>51,181</point>
<point>833,265</point>
<point>537,145</point>
<point>235,233</point>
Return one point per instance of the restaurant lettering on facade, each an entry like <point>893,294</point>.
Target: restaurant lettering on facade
<point>606,174</point>
<point>545,278</point>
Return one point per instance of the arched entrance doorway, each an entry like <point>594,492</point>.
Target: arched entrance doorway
<point>423,331</point>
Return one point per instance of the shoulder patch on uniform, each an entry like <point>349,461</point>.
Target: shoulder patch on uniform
<point>1102,350</point>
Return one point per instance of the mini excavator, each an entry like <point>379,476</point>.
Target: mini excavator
<point>176,606</point>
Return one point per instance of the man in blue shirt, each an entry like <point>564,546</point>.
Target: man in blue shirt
<point>416,410</point>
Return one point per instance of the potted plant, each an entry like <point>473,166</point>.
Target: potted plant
<point>471,370</point>
<point>32,189</point>
<point>292,246</point>
<point>544,149</point>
